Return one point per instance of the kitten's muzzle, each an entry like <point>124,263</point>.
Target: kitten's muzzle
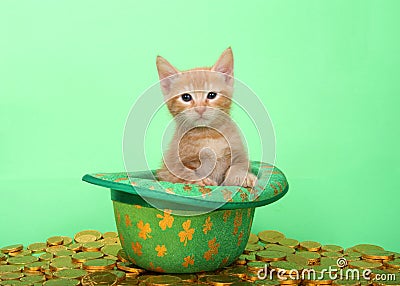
<point>200,110</point>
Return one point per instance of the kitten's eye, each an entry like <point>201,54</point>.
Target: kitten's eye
<point>186,97</point>
<point>211,95</point>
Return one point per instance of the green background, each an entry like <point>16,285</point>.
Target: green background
<point>327,71</point>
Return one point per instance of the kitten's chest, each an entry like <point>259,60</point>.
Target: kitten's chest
<point>190,147</point>
<point>219,146</point>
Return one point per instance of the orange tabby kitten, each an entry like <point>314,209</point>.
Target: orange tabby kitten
<point>206,148</point>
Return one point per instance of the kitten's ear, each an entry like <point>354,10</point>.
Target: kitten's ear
<point>225,63</point>
<point>165,69</point>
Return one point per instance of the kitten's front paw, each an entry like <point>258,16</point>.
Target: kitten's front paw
<point>202,183</point>
<point>207,182</point>
<point>249,181</point>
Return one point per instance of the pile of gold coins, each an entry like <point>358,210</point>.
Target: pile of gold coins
<point>93,258</point>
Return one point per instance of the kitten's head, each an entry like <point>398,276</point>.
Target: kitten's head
<point>198,96</point>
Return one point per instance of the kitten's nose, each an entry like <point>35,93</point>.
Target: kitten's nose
<point>200,109</point>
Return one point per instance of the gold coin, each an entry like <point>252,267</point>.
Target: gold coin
<point>59,262</point>
<point>250,257</point>
<point>111,241</point>
<point>46,256</point>
<point>250,276</point>
<point>12,248</point>
<point>12,276</point>
<point>23,252</point>
<point>289,242</point>
<point>55,248</point>
<point>312,257</point>
<point>92,246</point>
<point>75,246</point>
<point>70,273</point>
<point>32,279</point>
<point>111,257</point>
<point>144,277</point>
<point>377,254</point>
<point>130,281</point>
<point>2,256</point>
<point>100,278</point>
<point>95,233</point>
<point>187,278</point>
<point>60,265</point>
<point>112,250</point>
<point>66,240</point>
<point>37,247</point>
<point>373,260</point>
<point>63,253</point>
<point>21,260</point>
<point>163,280</point>
<point>110,234</point>
<point>364,264</point>
<point>61,282</point>
<point>270,255</point>
<point>99,264</point>
<point>252,247</point>
<point>55,240</point>
<point>220,280</point>
<point>352,254</point>
<point>351,258</point>
<point>350,250</point>
<point>120,275</point>
<point>129,267</point>
<point>9,268</point>
<point>34,266</point>
<point>202,277</point>
<point>363,247</point>
<point>122,256</point>
<point>48,273</point>
<point>332,248</point>
<point>62,259</point>
<point>241,260</point>
<point>238,271</point>
<point>253,238</point>
<point>134,274</point>
<point>85,238</point>
<point>332,254</point>
<point>297,259</point>
<point>281,248</point>
<point>45,267</point>
<point>255,266</point>
<point>310,245</point>
<point>32,273</point>
<point>394,264</point>
<point>285,266</point>
<point>270,236</point>
<point>327,261</point>
<point>84,256</point>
